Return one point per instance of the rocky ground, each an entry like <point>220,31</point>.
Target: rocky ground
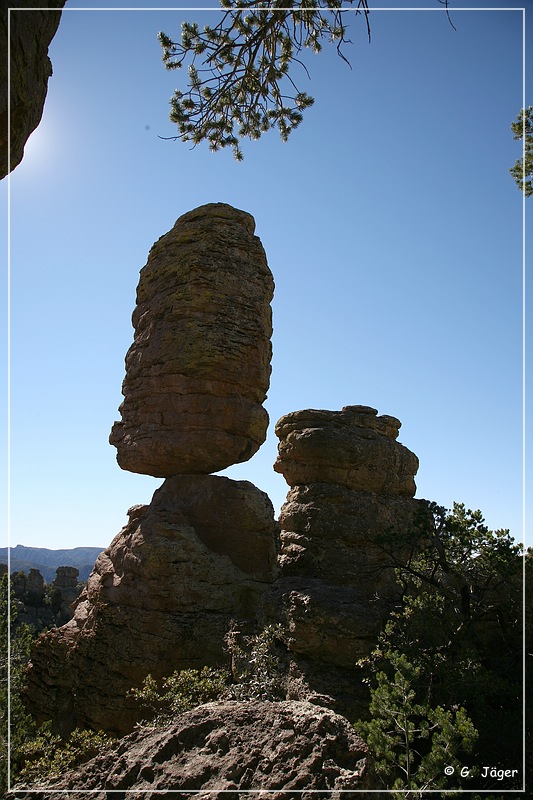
<point>220,749</point>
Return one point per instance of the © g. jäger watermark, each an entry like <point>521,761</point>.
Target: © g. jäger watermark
<point>483,772</point>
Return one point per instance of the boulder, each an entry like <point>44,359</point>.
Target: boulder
<point>353,448</point>
<point>286,749</point>
<point>198,370</point>
<point>30,68</point>
<point>160,598</point>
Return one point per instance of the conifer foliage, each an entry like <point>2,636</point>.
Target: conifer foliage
<point>240,79</point>
<point>446,677</point>
<point>522,171</point>
<point>415,744</point>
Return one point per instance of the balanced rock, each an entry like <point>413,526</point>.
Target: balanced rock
<point>160,598</point>
<point>347,519</point>
<point>275,750</point>
<point>198,370</point>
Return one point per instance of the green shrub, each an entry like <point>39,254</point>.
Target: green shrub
<point>446,675</point>
<point>258,664</point>
<point>414,742</point>
<point>257,674</point>
<point>21,724</point>
<point>47,756</point>
<point>180,692</point>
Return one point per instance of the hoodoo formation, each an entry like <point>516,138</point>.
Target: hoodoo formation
<point>207,550</point>
<point>351,483</point>
<point>198,370</point>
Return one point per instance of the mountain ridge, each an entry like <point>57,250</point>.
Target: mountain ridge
<point>24,558</point>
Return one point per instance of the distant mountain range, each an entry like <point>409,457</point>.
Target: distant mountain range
<point>47,561</point>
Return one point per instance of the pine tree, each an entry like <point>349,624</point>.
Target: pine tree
<point>522,171</point>
<point>416,745</point>
<point>450,656</point>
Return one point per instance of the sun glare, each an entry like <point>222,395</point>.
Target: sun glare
<point>40,149</point>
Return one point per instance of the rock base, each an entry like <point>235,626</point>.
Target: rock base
<point>160,598</point>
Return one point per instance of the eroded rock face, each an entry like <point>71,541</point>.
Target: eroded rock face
<point>351,484</point>
<point>336,534</point>
<point>227,747</point>
<point>31,34</point>
<point>343,525</point>
<point>198,370</point>
<point>160,598</point>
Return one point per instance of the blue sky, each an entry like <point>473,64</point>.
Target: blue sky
<point>390,223</point>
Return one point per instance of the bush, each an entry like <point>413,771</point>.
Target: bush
<point>257,674</point>
<point>180,692</point>
<point>22,726</point>
<point>47,756</point>
<point>446,674</point>
<point>258,664</point>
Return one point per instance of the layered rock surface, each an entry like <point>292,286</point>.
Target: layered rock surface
<point>285,749</point>
<point>160,598</point>
<point>198,370</point>
<point>30,69</point>
<point>349,504</point>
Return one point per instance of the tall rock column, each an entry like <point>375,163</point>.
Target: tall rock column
<point>198,370</point>
<point>351,483</point>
